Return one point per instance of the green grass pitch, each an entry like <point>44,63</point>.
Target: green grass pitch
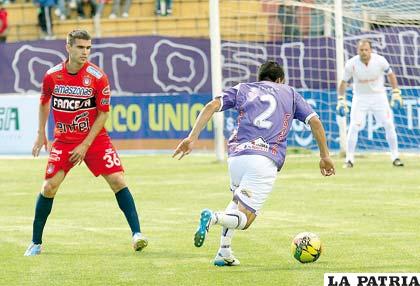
<point>367,218</point>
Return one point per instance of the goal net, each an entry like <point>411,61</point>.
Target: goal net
<point>301,35</point>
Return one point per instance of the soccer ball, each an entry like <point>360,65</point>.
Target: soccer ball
<point>306,247</point>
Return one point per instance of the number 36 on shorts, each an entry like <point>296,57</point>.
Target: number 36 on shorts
<point>111,158</point>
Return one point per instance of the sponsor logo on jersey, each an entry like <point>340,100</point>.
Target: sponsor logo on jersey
<point>368,80</point>
<point>55,155</point>
<point>105,101</point>
<point>60,89</point>
<point>73,104</point>
<point>86,81</point>
<point>258,144</point>
<point>57,68</point>
<point>96,73</point>
<point>282,135</point>
<point>106,90</point>
<point>80,123</point>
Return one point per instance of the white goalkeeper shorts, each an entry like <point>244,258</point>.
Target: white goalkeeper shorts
<point>377,105</point>
<point>251,179</point>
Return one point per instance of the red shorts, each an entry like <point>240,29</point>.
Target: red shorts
<point>101,158</point>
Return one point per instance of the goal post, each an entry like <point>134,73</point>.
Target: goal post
<point>216,76</point>
<point>339,57</point>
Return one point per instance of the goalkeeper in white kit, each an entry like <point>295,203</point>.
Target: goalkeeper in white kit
<point>368,71</point>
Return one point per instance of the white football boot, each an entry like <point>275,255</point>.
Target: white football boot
<point>225,258</point>
<point>33,250</point>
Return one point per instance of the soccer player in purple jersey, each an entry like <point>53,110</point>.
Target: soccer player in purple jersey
<point>256,149</point>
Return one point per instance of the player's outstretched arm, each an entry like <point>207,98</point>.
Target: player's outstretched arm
<point>326,165</point>
<point>41,138</point>
<point>185,146</point>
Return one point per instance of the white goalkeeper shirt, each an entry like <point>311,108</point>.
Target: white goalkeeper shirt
<point>368,80</point>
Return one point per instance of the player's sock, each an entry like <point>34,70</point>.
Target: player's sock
<point>42,210</point>
<point>391,138</point>
<point>227,233</point>
<point>127,205</point>
<point>225,251</point>
<point>226,237</point>
<point>232,219</point>
<point>352,138</point>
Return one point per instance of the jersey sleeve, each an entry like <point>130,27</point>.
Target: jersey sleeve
<point>303,111</point>
<point>228,98</point>
<point>103,94</point>
<point>385,65</point>
<point>46,89</point>
<point>348,71</point>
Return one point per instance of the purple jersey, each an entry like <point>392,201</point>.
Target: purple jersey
<point>266,110</point>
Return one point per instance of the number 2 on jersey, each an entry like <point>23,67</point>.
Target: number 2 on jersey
<point>261,120</point>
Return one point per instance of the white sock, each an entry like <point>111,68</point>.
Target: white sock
<point>225,251</point>
<point>352,137</point>
<point>391,138</point>
<point>227,233</point>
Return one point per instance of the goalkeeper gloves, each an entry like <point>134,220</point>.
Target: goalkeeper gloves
<point>396,100</point>
<point>342,108</point>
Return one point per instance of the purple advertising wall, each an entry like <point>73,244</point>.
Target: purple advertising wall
<point>135,64</point>
<point>151,64</point>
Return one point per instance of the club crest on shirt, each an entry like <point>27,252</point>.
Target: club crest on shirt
<point>50,168</point>
<point>87,81</point>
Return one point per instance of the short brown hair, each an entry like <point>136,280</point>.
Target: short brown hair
<point>77,34</point>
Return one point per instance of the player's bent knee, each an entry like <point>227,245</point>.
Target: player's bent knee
<point>117,186</point>
<point>250,216</point>
<point>51,185</point>
<point>250,219</point>
<point>49,189</point>
<point>116,181</point>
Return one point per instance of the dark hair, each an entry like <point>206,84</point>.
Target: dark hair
<point>366,41</point>
<point>77,34</point>
<point>270,71</point>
